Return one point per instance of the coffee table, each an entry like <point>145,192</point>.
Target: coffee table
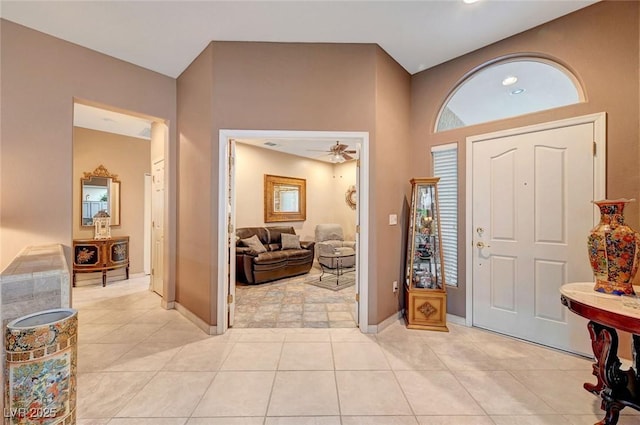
<point>339,260</point>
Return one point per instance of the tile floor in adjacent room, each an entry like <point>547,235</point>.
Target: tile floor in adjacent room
<point>140,364</point>
<point>293,303</point>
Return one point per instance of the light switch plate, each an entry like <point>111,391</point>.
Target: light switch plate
<point>393,219</point>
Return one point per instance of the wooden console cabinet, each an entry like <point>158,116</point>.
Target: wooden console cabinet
<point>100,255</point>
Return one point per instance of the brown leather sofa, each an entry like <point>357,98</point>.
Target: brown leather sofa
<point>276,263</point>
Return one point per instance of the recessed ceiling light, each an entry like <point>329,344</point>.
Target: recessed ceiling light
<point>509,80</point>
<point>470,1</point>
<point>270,144</point>
<point>518,91</point>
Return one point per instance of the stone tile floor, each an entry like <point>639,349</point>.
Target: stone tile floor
<point>292,303</point>
<point>140,364</point>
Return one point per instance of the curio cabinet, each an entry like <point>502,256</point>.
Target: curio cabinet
<point>425,290</point>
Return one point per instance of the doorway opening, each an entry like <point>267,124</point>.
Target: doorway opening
<point>127,144</point>
<point>228,175</point>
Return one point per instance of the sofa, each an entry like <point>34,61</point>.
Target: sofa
<point>282,257</point>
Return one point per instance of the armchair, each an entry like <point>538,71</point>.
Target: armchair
<point>330,241</point>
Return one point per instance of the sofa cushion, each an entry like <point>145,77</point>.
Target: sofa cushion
<point>271,257</point>
<point>329,232</point>
<point>343,250</point>
<point>298,254</point>
<point>290,241</point>
<point>254,243</point>
<point>247,232</point>
<point>275,233</point>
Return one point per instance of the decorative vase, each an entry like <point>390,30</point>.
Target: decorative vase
<point>41,364</point>
<point>614,249</point>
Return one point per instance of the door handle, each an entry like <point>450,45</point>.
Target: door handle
<point>481,245</point>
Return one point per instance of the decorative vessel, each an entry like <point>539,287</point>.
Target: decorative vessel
<point>40,380</point>
<point>614,249</point>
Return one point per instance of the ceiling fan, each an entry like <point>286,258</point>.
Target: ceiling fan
<point>339,153</point>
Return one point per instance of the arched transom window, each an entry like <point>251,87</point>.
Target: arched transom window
<point>508,88</point>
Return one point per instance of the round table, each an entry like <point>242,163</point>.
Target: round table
<point>339,259</point>
<point>607,314</point>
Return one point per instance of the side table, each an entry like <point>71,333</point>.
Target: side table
<point>607,314</point>
<point>339,261</point>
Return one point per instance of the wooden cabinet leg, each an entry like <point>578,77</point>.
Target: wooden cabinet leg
<point>104,278</point>
<point>127,272</point>
<point>73,279</point>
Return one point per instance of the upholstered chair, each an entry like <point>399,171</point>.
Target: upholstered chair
<point>330,244</point>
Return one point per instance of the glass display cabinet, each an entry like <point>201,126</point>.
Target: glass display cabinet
<point>425,290</point>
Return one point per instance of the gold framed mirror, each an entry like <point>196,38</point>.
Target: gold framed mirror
<point>285,199</point>
<point>99,190</point>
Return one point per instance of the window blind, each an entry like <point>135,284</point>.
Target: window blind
<point>445,166</point>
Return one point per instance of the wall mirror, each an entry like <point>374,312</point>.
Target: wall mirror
<point>285,199</point>
<point>99,190</point>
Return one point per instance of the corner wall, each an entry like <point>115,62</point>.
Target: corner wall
<point>270,86</point>
<point>196,283</point>
<point>390,177</point>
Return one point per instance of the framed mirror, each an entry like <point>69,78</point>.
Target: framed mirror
<point>285,199</point>
<point>99,190</point>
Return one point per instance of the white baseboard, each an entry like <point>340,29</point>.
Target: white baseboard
<point>457,320</point>
<point>206,328</point>
<point>374,329</point>
<point>168,305</point>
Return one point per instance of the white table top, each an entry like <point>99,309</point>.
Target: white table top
<point>583,293</point>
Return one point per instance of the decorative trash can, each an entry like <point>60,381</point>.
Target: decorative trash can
<point>40,373</point>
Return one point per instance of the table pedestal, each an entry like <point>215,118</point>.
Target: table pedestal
<point>617,388</point>
<point>607,315</point>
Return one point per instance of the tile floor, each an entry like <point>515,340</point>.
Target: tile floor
<point>139,364</point>
<point>293,303</point>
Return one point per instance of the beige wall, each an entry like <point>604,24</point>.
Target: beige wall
<point>278,86</point>
<point>390,183</point>
<point>41,76</point>
<point>344,175</point>
<point>196,280</point>
<point>129,159</point>
<point>325,204</point>
<point>600,44</point>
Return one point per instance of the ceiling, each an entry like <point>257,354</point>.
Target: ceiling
<point>311,147</point>
<point>166,36</point>
<point>110,122</point>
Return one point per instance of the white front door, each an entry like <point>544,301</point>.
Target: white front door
<point>157,230</point>
<point>532,212</point>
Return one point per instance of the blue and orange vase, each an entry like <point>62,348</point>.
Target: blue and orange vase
<point>614,249</point>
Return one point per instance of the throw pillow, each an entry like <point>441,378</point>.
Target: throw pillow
<point>254,243</point>
<point>290,241</point>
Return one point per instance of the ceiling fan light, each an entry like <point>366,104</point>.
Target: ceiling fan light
<point>337,158</point>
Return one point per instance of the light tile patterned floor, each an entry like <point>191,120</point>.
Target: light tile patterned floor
<point>139,364</point>
<point>294,303</point>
